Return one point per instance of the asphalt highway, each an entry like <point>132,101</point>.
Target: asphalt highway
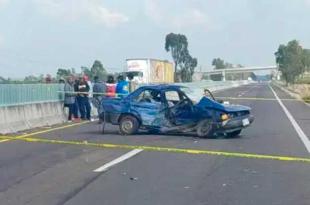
<point>170,170</point>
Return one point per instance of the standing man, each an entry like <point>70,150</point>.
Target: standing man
<point>99,90</point>
<point>69,100</point>
<point>76,89</point>
<point>122,87</point>
<point>83,100</point>
<point>110,87</point>
<point>132,83</point>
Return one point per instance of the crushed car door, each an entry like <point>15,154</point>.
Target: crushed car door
<point>180,109</point>
<point>148,105</point>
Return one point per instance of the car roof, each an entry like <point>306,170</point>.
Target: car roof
<point>162,87</point>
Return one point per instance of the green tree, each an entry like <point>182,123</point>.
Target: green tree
<point>97,69</point>
<point>32,79</point>
<point>177,45</point>
<point>188,68</point>
<point>290,60</point>
<point>306,59</point>
<point>218,63</point>
<point>184,63</point>
<point>229,65</point>
<point>86,71</point>
<point>63,73</point>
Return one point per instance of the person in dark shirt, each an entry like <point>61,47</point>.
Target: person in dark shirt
<point>69,99</point>
<point>99,90</point>
<point>82,98</point>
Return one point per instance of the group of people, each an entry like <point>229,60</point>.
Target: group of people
<point>80,92</point>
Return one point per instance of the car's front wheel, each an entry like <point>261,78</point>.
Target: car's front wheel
<point>128,125</point>
<point>204,129</point>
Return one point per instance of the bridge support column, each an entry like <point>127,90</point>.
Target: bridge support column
<point>223,75</point>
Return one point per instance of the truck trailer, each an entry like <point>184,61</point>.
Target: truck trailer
<point>147,70</point>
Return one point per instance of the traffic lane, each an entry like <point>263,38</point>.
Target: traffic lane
<point>299,110</point>
<point>254,90</point>
<point>281,93</point>
<point>161,178</point>
<point>301,113</point>
<point>49,173</point>
<point>271,133</point>
<point>274,121</point>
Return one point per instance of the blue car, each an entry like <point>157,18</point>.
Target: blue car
<point>169,109</point>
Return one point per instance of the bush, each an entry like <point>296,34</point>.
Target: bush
<point>304,80</point>
<point>306,99</point>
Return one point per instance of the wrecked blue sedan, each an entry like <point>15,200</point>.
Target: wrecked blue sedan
<point>169,109</point>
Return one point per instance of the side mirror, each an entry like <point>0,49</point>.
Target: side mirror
<point>220,101</point>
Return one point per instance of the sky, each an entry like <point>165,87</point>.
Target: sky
<point>40,36</point>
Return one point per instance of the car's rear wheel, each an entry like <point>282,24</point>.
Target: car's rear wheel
<point>234,133</point>
<point>129,125</point>
<point>204,129</point>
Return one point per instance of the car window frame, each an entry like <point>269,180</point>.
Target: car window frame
<point>180,93</point>
<point>134,97</point>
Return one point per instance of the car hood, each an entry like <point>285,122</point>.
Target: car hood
<point>234,108</point>
<point>209,103</point>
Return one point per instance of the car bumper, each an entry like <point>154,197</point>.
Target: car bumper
<point>235,123</point>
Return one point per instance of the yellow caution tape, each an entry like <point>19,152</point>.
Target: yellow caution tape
<point>164,149</point>
<point>41,132</point>
<point>94,93</point>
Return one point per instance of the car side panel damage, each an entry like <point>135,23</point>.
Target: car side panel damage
<point>166,108</point>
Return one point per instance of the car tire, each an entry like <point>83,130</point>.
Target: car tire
<point>233,134</point>
<point>204,129</point>
<point>128,125</point>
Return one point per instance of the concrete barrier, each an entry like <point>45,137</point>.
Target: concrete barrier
<point>23,117</point>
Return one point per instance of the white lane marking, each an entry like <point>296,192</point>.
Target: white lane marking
<point>299,131</point>
<point>118,160</point>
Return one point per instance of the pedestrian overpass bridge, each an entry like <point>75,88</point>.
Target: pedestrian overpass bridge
<point>241,70</point>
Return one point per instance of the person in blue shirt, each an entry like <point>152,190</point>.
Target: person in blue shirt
<point>122,87</point>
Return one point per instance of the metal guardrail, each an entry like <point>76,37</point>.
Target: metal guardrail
<point>21,94</point>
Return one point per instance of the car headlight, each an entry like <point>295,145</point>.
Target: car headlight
<point>224,117</point>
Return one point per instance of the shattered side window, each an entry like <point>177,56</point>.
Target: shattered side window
<point>149,96</point>
<point>172,97</point>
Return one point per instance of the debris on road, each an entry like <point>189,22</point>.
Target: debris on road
<point>133,178</point>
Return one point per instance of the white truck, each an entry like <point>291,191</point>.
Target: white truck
<point>146,70</point>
